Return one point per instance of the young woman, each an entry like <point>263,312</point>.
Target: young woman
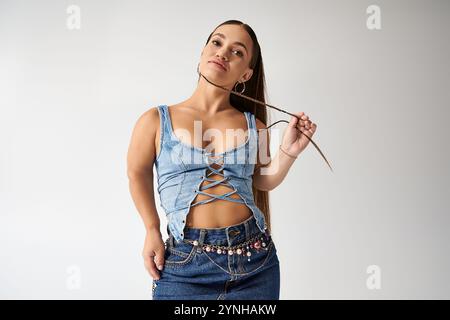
<point>215,195</point>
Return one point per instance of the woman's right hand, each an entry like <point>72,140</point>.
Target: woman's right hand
<point>153,252</point>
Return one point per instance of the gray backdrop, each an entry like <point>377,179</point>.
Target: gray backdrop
<point>375,228</point>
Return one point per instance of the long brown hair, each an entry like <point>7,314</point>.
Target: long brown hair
<point>255,87</point>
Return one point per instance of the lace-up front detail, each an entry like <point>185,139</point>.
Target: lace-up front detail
<point>214,182</point>
<point>181,178</point>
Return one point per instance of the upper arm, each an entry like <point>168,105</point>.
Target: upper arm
<point>263,157</point>
<point>142,151</point>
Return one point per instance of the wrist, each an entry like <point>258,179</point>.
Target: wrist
<point>287,153</point>
<point>153,229</point>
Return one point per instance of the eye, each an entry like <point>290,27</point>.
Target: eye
<point>239,53</point>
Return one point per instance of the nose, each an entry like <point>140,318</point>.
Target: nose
<point>221,56</point>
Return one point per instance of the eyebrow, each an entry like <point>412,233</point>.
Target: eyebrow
<point>236,42</point>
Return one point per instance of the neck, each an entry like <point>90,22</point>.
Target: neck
<point>209,98</point>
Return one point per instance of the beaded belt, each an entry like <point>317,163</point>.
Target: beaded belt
<point>258,243</point>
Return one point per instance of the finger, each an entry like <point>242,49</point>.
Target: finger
<point>309,132</point>
<point>304,120</point>
<point>151,267</point>
<point>296,120</point>
<point>308,124</point>
<point>304,124</point>
<point>159,259</point>
<point>305,132</point>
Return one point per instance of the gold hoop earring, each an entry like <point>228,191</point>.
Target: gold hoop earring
<point>243,89</point>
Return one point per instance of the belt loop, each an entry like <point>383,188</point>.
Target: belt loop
<point>247,230</point>
<point>171,240</point>
<point>201,239</point>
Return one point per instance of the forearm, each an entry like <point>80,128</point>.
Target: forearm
<point>142,192</point>
<point>269,177</point>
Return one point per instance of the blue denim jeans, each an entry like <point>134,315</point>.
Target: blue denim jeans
<point>192,272</point>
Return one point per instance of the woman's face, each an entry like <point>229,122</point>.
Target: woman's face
<point>232,46</point>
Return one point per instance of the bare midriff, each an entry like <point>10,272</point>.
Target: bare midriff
<point>218,213</point>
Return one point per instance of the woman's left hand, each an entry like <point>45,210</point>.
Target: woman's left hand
<point>294,142</point>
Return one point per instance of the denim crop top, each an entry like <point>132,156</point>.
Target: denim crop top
<point>181,169</point>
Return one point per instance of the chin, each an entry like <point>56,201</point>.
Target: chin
<point>217,77</point>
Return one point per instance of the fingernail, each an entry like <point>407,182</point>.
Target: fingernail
<point>160,267</point>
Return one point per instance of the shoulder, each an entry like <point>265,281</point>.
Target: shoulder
<point>149,118</point>
<point>151,115</point>
<point>148,122</point>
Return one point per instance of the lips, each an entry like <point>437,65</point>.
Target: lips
<point>219,63</point>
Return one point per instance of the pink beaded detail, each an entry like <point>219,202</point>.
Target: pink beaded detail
<point>256,243</point>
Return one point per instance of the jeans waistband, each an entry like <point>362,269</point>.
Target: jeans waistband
<point>227,236</point>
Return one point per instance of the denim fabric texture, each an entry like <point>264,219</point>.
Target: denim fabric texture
<point>192,273</point>
<point>181,169</point>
